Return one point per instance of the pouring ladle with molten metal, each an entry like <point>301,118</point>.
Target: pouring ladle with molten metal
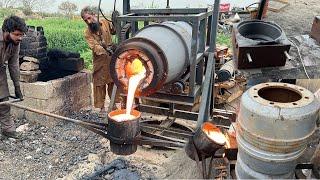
<point>141,138</point>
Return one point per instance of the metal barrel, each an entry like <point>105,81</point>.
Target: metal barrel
<point>164,49</point>
<point>275,123</point>
<point>122,134</point>
<point>226,72</point>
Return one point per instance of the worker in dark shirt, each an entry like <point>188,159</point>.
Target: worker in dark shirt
<point>11,34</point>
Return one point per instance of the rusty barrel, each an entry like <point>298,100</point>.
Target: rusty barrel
<point>205,142</point>
<point>122,133</point>
<point>275,123</point>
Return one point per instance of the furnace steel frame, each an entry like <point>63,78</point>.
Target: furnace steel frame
<point>204,27</point>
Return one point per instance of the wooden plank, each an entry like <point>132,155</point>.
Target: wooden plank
<point>315,31</point>
<point>277,5</point>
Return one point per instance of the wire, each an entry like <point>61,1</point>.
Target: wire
<point>100,10</point>
<point>300,57</point>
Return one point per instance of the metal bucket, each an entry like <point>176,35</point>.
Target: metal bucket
<point>122,134</point>
<point>275,123</point>
<point>262,31</point>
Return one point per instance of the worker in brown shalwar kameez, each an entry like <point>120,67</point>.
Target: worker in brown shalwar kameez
<point>98,37</point>
<point>13,29</point>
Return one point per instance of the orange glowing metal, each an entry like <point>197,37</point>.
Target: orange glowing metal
<point>134,67</point>
<point>214,133</point>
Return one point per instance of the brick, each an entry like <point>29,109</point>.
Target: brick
<point>31,59</point>
<point>29,76</point>
<point>29,66</point>
<point>39,90</point>
<point>315,31</point>
<point>38,104</point>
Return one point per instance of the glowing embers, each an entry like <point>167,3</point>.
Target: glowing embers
<point>126,65</point>
<point>214,133</point>
<point>205,142</point>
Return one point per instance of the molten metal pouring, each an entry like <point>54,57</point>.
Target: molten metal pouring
<point>136,73</point>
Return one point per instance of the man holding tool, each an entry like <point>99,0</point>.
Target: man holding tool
<point>13,29</point>
<point>98,37</point>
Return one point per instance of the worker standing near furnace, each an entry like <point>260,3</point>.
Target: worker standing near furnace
<point>13,30</point>
<point>98,37</point>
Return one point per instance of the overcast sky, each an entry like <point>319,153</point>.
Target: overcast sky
<point>107,5</point>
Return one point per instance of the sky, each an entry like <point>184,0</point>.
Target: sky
<point>107,5</point>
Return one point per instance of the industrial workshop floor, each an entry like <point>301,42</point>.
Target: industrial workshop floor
<point>52,150</point>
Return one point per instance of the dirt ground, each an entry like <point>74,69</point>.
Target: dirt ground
<point>63,150</point>
<point>297,18</point>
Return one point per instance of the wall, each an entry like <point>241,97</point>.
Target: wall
<point>60,96</point>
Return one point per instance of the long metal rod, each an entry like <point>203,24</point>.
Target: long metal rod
<point>54,115</point>
<point>206,89</point>
<point>126,6</point>
<point>261,8</point>
<point>205,97</point>
<point>214,25</point>
<point>10,101</point>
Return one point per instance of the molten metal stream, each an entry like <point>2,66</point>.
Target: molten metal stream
<point>137,72</point>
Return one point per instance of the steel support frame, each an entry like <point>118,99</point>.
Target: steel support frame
<point>204,27</point>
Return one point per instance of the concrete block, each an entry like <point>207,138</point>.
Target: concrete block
<point>315,31</point>
<point>56,103</point>
<point>29,66</point>
<point>88,74</point>
<point>61,86</point>
<point>78,80</point>
<point>39,90</point>
<point>29,76</point>
<point>39,104</point>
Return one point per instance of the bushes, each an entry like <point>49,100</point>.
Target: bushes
<point>65,34</point>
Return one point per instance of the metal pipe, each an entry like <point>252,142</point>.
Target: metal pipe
<point>249,58</point>
<point>261,8</point>
<point>126,6</point>
<point>168,4</point>
<point>10,101</point>
<point>287,56</point>
<point>204,104</point>
<point>53,115</point>
<point>214,25</point>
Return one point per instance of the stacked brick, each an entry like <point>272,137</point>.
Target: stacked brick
<point>29,69</point>
<point>35,45</point>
